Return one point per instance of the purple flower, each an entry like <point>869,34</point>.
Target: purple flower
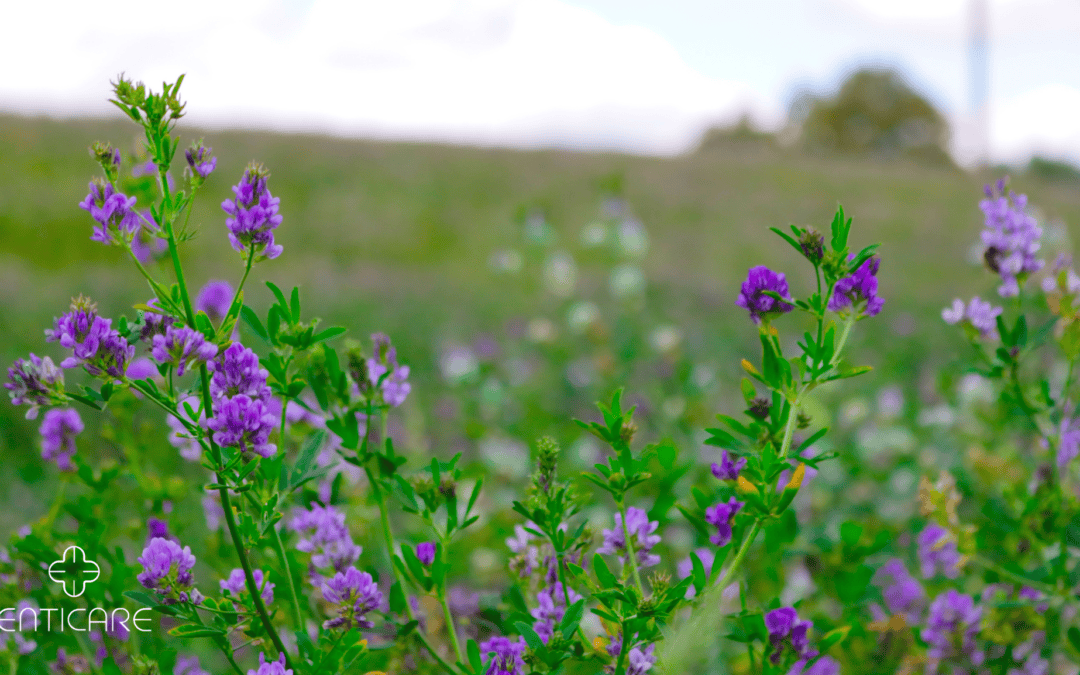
<point>58,431</point>
<point>324,534</point>
<point>785,629</point>
<point>1068,440</point>
<point>528,555</point>
<point>728,468</point>
<point>752,296</point>
<point>686,566</point>
<point>503,656</point>
<point>271,667</point>
<point>356,593</point>
<point>640,660</point>
<point>826,665</point>
<point>182,347</point>
<point>937,549</point>
<point>721,516</point>
<point>200,162</point>
<point>1011,238</point>
<point>425,551</point>
<point>980,314</point>
<point>214,298</point>
<point>34,381</point>
<point>146,245</point>
<point>395,387</point>
<point>244,423</point>
<point>94,344</point>
<point>157,528</point>
<point>141,368</point>
<point>253,215</point>
<point>903,593</point>
<point>167,571</point>
<point>153,323</point>
<point>950,632</point>
<point>551,609</point>
<point>236,583</point>
<point>641,531</point>
<point>188,665</point>
<point>117,221</point>
<point>859,287</point>
<point>236,371</point>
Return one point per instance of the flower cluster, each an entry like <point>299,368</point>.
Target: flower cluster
<point>117,220</point>
<point>980,314</point>
<point>241,402</point>
<point>94,344</point>
<point>181,347</point>
<point>395,387</point>
<point>200,162</point>
<point>721,516</point>
<point>755,294</point>
<point>857,288</point>
<point>552,607</point>
<point>214,298</point>
<point>788,634</point>
<point>236,584</point>
<point>503,656</point>
<point>903,593</point>
<point>34,381</point>
<point>275,667</point>
<point>356,594</point>
<point>324,534</point>
<point>640,530</point>
<point>253,215</point>
<point>937,551</point>
<point>1011,237</point>
<point>58,431</point>
<point>728,468</point>
<point>950,632</point>
<point>167,571</point>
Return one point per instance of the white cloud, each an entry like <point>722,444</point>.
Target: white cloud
<point>518,72</point>
<point>1045,121</point>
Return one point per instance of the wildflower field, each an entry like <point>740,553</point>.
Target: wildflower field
<point>299,405</point>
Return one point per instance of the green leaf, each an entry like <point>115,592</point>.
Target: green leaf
<point>1074,637</point>
<point>252,320</point>
<point>327,334</point>
<point>194,630</point>
<point>840,228</point>
<point>699,573</point>
<point>295,304</point>
<point>474,656</point>
<point>603,573</point>
<point>278,294</point>
<point>531,638</point>
<point>141,598</point>
<point>570,621</point>
<point>851,532</point>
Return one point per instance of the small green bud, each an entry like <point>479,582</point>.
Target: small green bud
<point>813,245</point>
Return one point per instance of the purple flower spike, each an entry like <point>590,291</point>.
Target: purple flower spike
<point>188,665</point>
<point>1011,238</point>
<point>979,313</point>
<point>253,215</point>
<point>33,381</point>
<point>58,431</point>
<point>244,423</point>
<point>94,344</point>
<point>721,516</point>
<point>752,296</point>
<point>182,347</point>
<point>728,468</point>
<point>324,534</point>
<point>552,608</point>
<point>117,221</point>
<point>396,386</point>
<point>826,665</point>
<point>859,287</point>
<point>641,531</point>
<point>640,660</point>
<point>503,656</point>
<point>1068,440</point>
<point>951,630</point>
<point>903,593</point>
<point>200,162</point>
<point>426,552</point>
<point>937,551</point>
<point>236,583</point>
<point>167,571</point>
<point>214,299</point>
<point>237,371</point>
<point>271,667</point>
<point>356,593</point>
<point>785,629</point>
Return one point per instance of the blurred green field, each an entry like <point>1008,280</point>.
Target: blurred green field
<point>397,237</point>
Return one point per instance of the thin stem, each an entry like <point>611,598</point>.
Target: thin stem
<point>54,511</point>
<point>232,661</point>
<point>243,279</point>
<point>295,601</point>
<point>843,337</point>
<point>451,627</point>
<point>1001,571</point>
<point>737,562</point>
<point>630,553</point>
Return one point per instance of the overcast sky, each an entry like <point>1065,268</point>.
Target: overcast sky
<point>636,75</point>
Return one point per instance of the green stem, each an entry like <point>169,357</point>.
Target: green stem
<point>848,324</point>
<point>54,510</point>
<point>451,627</point>
<point>737,561</point>
<point>232,661</point>
<point>1024,581</point>
<point>630,553</point>
<point>243,280</point>
<point>297,614</point>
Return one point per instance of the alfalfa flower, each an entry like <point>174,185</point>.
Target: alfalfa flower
<point>721,517</point>
<point>58,431</point>
<point>978,313</point>
<point>236,584</point>
<point>34,380</point>
<point>253,215</point>
<point>167,571</point>
<point>355,593</point>
<point>276,667</point>
<point>640,529</point>
<point>200,162</point>
<point>1011,237</point>
<point>503,656</point>
<point>858,291</point>
<point>114,212</point>
<point>787,631</point>
<point>182,347</point>
<point>756,294</point>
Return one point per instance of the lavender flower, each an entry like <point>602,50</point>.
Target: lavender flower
<point>503,656</point>
<point>826,665</point>
<point>244,423</point>
<point>182,347</point>
<point>117,221</point>
<point>641,531</point>
<point>167,571</point>
<point>1011,238</point>
<point>356,593</point>
<point>859,287</point>
<point>94,344</point>
<point>214,298</point>
<point>728,468</point>
<point>146,245</point>
<point>34,381</point>
<point>752,296</point>
<point>236,371</point>
<point>1068,440</point>
<point>236,583</point>
<point>271,667</point>
<point>980,314</point>
<point>902,593</point>
<point>141,368</point>
<point>686,566</point>
<point>200,162</point>
<point>425,551</point>
<point>1027,654</point>
<point>188,665</point>
<point>640,660</point>
<point>324,534</point>
<point>721,516</point>
<point>395,387</point>
<point>785,629</point>
<point>552,608</point>
<point>1063,278</point>
<point>937,550</point>
<point>58,431</point>
<point>158,528</point>
<point>528,555</point>
<point>950,632</point>
<point>153,323</point>
<point>253,215</point>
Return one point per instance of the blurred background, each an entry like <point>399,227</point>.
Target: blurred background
<point>540,200</point>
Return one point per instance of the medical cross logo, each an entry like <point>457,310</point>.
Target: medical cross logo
<point>74,571</point>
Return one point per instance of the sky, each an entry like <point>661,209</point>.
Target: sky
<point>633,75</point>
